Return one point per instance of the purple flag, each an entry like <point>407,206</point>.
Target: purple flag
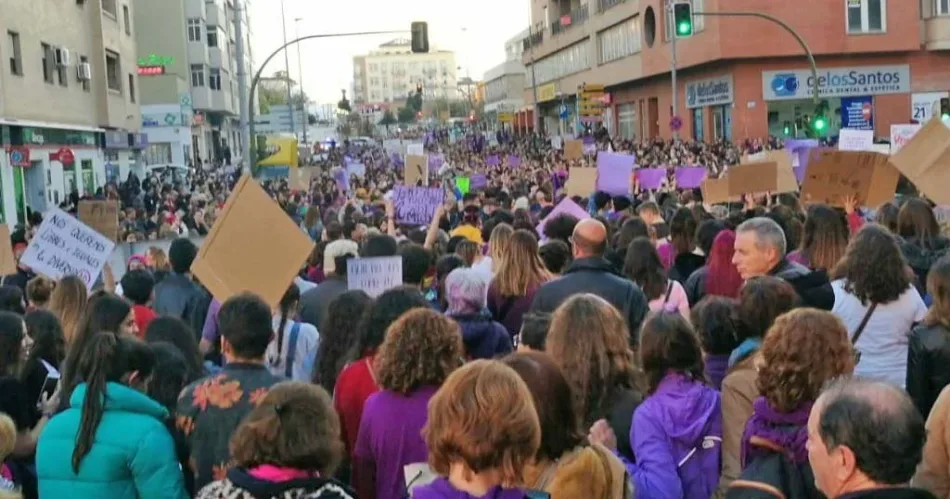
<point>567,205</point>
<point>493,160</point>
<point>651,178</point>
<point>613,173</point>
<point>342,179</point>
<point>514,161</point>
<point>690,177</point>
<point>801,148</point>
<point>478,181</point>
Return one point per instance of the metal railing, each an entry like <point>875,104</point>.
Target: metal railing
<point>605,5</point>
<point>576,17</point>
<point>535,38</point>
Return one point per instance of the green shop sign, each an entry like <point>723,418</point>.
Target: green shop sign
<point>156,60</point>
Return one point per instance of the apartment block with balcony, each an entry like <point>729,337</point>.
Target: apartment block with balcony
<point>191,105</point>
<point>69,102</point>
<point>880,62</point>
<point>504,84</point>
<point>391,72</point>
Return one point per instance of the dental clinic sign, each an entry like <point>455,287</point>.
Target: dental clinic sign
<point>836,82</point>
<point>711,92</point>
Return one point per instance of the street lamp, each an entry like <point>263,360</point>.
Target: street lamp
<point>305,118</point>
<point>290,100</point>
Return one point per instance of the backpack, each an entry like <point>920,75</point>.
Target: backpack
<point>773,475</point>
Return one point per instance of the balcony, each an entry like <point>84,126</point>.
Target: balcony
<point>605,5</point>
<point>535,38</point>
<point>576,17</point>
<point>936,33</point>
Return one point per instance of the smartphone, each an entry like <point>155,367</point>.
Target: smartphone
<point>49,387</point>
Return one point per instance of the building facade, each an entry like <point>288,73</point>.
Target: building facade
<point>189,78</point>
<point>880,62</point>
<point>391,72</point>
<point>69,101</point>
<point>277,121</point>
<point>504,85</point>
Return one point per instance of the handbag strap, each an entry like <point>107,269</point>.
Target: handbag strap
<point>669,291</point>
<point>292,350</point>
<point>864,323</point>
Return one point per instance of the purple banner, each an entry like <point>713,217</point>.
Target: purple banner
<point>690,177</point>
<point>514,161</point>
<point>799,173</point>
<point>800,148</point>
<point>478,181</point>
<point>342,179</point>
<point>416,205</point>
<point>493,160</point>
<point>613,173</point>
<point>651,178</point>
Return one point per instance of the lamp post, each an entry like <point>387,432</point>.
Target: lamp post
<point>305,119</point>
<point>290,101</point>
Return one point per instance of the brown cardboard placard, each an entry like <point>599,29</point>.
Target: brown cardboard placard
<point>834,175</point>
<point>749,178</point>
<point>7,260</point>
<point>925,160</point>
<point>102,216</point>
<point>253,246</point>
<point>300,179</point>
<point>785,180</point>
<point>581,181</point>
<point>416,169</point>
<point>573,149</point>
<point>716,190</point>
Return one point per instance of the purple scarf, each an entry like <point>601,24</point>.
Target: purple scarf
<point>787,430</point>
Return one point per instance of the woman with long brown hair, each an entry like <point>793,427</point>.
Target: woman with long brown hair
<point>520,274</point>
<point>67,303</point>
<point>825,239</point>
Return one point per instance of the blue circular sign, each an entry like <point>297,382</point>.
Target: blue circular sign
<point>16,157</point>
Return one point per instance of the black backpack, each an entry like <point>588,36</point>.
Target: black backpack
<point>773,475</point>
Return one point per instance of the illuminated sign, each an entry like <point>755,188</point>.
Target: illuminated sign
<point>156,60</point>
<point>151,70</point>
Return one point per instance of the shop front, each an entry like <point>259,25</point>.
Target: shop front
<point>848,97</point>
<point>709,103</point>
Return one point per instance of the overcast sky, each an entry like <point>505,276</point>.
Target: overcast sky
<point>328,63</point>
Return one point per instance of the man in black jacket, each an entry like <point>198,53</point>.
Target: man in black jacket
<point>760,250</point>
<point>177,295</point>
<point>592,273</point>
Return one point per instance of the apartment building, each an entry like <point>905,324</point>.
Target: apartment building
<point>880,62</point>
<point>69,109</point>
<point>189,79</point>
<point>389,73</point>
<point>505,83</point>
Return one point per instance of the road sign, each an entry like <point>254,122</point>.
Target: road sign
<point>590,102</point>
<point>676,123</point>
<point>562,112</point>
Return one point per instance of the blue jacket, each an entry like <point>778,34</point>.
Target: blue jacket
<point>132,455</point>
<point>677,438</point>
<point>483,337</point>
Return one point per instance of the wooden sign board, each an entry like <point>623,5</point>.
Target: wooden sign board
<point>416,171</point>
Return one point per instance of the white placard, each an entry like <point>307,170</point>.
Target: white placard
<point>415,149</point>
<point>922,105</point>
<point>855,140</point>
<point>65,246</point>
<point>901,135</point>
<point>374,275</point>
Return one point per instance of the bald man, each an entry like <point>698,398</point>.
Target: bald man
<point>592,273</point>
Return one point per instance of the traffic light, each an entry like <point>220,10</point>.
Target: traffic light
<point>420,38</point>
<point>945,109</point>
<point>683,19</point>
<point>819,123</point>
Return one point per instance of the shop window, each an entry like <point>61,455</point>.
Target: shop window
<point>698,123</point>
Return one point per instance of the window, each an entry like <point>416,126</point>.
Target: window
<point>699,22</point>
<point>620,41</point>
<point>131,88</point>
<point>113,71</point>
<point>16,63</point>
<point>570,60</point>
<point>941,8</point>
<point>127,19</point>
<point>194,30</point>
<point>212,36</point>
<point>49,61</point>
<point>214,79</point>
<point>866,16</point>
<point>197,75</point>
<point>62,74</point>
<point>109,7</point>
<point>627,121</point>
<point>698,124</point>
<point>83,60</point>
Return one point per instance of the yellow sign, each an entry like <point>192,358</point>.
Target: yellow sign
<point>281,151</point>
<point>547,92</point>
<point>591,103</point>
<point>506,117</point>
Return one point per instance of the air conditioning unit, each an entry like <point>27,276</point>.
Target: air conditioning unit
<point>84,71</point>
<point>62,57</point>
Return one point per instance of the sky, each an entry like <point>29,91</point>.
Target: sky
<point>475,31</point>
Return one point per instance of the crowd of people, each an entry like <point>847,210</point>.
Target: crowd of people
<point>658,348</point>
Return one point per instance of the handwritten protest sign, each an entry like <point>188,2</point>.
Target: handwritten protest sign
<point>567,206</point>
<point>415,149</point>
<point>463,184</point>
<point>855,140</point>
<point>102,216</point>
<point>901,134</point>
<point>479,181</point>
<point>374,275</point>
<point>834,175</point>
<point>416,205</point>
<point>7,260</point>
<point>65,246</point>
<point>417,170</point>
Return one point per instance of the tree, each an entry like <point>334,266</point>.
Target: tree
<point>388,118</point>
<point>414,101</point>
<point>406,115</point>
<point>311,119</point>
<point>270,96</point>
<point>300,99</point>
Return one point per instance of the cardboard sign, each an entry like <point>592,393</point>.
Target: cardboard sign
<point>581,181</point>
<point>417,171</point>
<point>833,175</point>
<point>374,275</point>
<point>300,179</point>
<point>749,178</point>
<point>102,216</point>
<point>568,206</point>
<point>416,205</point>
<point>785,179</point>
<point>65,246</point>
<point>573,149</point>
<point>7,260</point>
<point>925,160</point>
<point>716,190</point>
<point>254,246</point>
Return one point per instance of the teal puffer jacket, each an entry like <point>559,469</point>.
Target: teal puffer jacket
<point>132,455</point>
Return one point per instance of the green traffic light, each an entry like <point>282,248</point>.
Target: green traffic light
<point>945,117</point>
<point>819,124</point>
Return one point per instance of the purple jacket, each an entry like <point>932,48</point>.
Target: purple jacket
<point>677,438</point>
<point>442,489</point>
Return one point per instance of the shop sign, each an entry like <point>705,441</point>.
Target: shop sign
<point>711,92</point>
<point>857,113</point>
<point>792,84</point>
<point>151,70</point>
<point>547,92</point>
<point>117,139</point>
<point>64,155</point>
<point>20,156</point>
<point>156,60</point>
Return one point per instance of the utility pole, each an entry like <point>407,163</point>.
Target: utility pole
<point>242,85</point>
<point>290,100</point>
<point>305,116</point>
<point>534,80</point>
<point>669,15</point>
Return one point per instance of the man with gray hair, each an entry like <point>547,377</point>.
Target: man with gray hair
<point>865,439</point>
<point>760,250</point>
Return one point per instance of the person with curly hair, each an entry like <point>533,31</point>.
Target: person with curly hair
<point>588,341</point>
<point>803,351</point>
<point>419,352</point>
<point>876,299</point>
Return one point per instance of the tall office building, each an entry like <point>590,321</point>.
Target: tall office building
<point>188,68</point>
<point>391,72</point>
<point>69,102</point>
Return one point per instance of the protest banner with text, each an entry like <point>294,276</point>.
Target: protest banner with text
<point>416,205</point>
<point>374,275</point>
<point>65,246</point>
